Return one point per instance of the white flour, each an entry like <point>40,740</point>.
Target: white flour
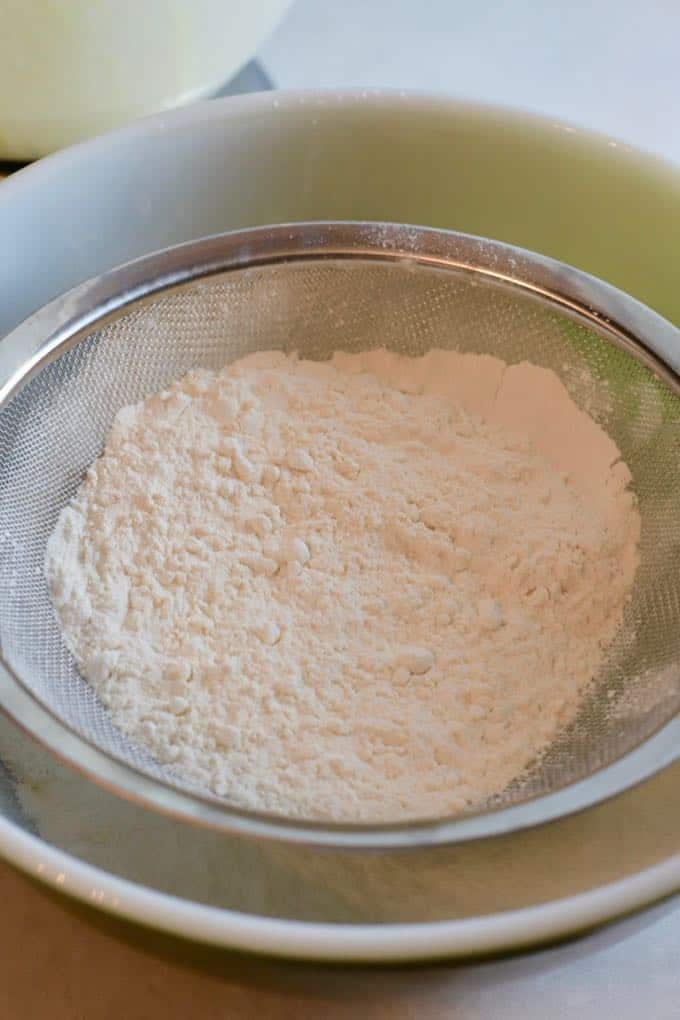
<point>371,588</point>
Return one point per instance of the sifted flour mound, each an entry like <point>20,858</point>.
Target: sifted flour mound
<point>366,589</point>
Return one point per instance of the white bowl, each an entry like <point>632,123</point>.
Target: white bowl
<point>278,157</point>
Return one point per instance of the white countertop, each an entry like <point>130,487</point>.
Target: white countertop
<point>612,66</point>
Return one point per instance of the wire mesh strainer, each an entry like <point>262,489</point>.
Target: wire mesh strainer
<point>317,288</point>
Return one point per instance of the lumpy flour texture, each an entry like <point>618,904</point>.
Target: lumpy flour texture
<point>366,589</point>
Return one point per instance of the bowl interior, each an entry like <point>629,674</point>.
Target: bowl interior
<point>286,157</point>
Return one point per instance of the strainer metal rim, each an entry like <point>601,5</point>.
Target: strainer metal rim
<point>60,325</point>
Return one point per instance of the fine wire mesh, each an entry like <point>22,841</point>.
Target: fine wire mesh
<point>56,426</point>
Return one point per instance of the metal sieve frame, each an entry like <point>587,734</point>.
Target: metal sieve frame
<point>58,326</point>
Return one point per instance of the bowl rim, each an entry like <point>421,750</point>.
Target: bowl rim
<point>65,321</point>
<point>283,101</point>
<point>519,929</point>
